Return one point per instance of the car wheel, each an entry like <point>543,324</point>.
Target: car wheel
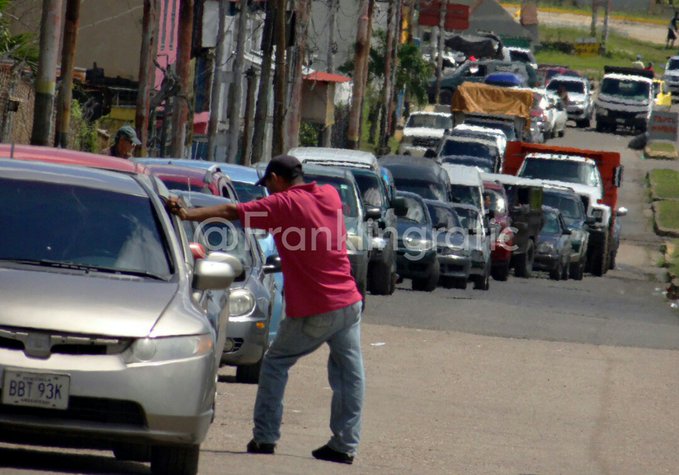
<point>562,132</point>
<point>600,259</point>
<point>381,279</point>
<point>577,272</point>
<point>566,270</point>
<point>132,452</point>
<point>611,260</point>
<point>500,273</point>
<point>482,282</point>
<point>556,272</point>
<point>429,283</point>
<point>445,97</point>
<point>249,373</point>
<point>524,264</point>
<point>175,459</point>
<point>600,127</point>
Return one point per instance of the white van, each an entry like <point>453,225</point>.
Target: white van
<point>466,185</point>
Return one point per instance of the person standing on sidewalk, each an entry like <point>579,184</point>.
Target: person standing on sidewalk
<point>323,304</point>
<point>672,31</point>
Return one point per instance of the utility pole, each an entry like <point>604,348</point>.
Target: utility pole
<point>604,39</point>
<point>361,53</point>
<point>237,84</point>
<point>394,68</point>
<point>45,83</point>
<point>302,9</point>
<point>386,88</point>
<point>250,77</point>
<point>440,48</point>
<point>70,39</point>
<point>146,73</point>
<point>217,84</point>
<point>595,14</point>
<point>180,114</point>
<point>262,110</point>
<point>326,139</point>
<point>279,81</point>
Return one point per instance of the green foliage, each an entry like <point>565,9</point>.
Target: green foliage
<point>308,134</point>
<point>83,134</point>
<point>413,73</point>
<point>21,47</point>
<point>667,214</point>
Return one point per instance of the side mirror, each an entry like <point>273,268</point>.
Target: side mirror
<point>226,258</point>
<point>590,221</point>
<point>430,153</point>
<point>272,264</point>
<point>622,211</point>
<point>197,250</point>
<point>400,207</point>
<point>567,231</point>
<point>212,275</point>
<point>373,212</point>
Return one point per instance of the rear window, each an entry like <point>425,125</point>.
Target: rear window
<point>76,225</point>
<point>575,87</point>
<point>344,187</point>
<point>369,186</point>
<point>466,147</point>
<point>185,185</point>
<point>426,189</point>
<point>248,191</point>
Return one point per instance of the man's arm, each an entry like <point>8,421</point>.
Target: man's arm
<point>225,211</point>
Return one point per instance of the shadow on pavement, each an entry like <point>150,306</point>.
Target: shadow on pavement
<point>63,462</point>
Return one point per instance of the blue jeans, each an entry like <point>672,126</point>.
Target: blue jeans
<point>298,337</point>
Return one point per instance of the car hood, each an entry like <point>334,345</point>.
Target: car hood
<point>576,97</point>
<point>422,132</point>
<point>82,304</point>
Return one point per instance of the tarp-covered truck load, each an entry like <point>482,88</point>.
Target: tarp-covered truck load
<point>475,99</point>
<point>601,200</point>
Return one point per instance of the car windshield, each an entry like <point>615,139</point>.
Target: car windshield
<point>68,224</point>
<point>551,225</point>
<point>560,170</point>
<point>467,217</point>
<point>465,194</point>
<point>673,64</point>
<point>426,189</point>
<point>248,191</point>
<point>415,212</point>
<point>441,215</point>
<point>520,56</point>
<point>486,165</point>
<point>570,86</point>
<point>629,89</point>
<point>430,121</point>
<point>497,201</point>
<point>176,183</point>
<point>220,236</point>
<point>369,186</point>
<point>344,187</point>
<point>465,147</point>
<point>506,127</point>
<point>569,207</point>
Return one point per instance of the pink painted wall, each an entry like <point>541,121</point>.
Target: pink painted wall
<point>168,24</point>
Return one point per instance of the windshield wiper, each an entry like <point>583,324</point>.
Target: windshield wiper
<point>85,267</point>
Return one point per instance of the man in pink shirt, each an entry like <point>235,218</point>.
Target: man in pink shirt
<point>323,304</point>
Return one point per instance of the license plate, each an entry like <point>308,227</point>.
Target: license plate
<point>620,121</point>
<point>44,390</point>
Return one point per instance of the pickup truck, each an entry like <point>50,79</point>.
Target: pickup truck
<point>625,99</point>
<point>594,175</point>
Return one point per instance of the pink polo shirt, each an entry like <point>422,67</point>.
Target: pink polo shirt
<point>307,224</point>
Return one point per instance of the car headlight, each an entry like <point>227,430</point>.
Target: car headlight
<point>643,115</point>
<point>414,244</point>
<point>578,103</point>
<point>147,350</point>
<point>241,302</point>
<point>546,248</point>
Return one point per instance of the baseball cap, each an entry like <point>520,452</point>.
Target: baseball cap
<point>285,166</point>
<point>129,133</point>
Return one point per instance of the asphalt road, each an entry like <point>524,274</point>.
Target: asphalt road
<point>532,376</point>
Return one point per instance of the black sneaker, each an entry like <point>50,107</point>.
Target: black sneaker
<point>255,447</point>
<point>332,455</point>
